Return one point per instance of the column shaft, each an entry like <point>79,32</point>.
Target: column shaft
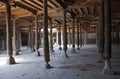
<point>73,32</point>
<point>78,29</point>
<point>9,35</point>
<point>107,13</point>
<point>65,33</point>
<point>15,42</point>
<point>101,31</point>
<point>46,43</point>
<point>51,36</point>
<point>36,36</point>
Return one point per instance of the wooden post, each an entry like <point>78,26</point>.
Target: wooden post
<point>15,39</point>
<point>59,37</point>
<point>18,39</point>
<point>45,28</point>
<point>85,37</point>
<point>107,69</point>
<point>69,37</point>
<point>51,36</point>
<point>78,42</point>
<point>81,41</point>
<point>36,36</point>
<point>39,37</point>
<point>64,33</point>
<point>29,37</point>
<point>117,39</point>
<point>11,60</point>
<point>32,38</point>
<point>73,34</point>
<point>100,32</point>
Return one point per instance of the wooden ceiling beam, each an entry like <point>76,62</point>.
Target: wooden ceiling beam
<point>4,1</point>
<point>30,4</point>
<point>81,11</point>
<point>24,7</point>
<point>41,1</point>
<point>53,2</point>
<point>36,3</point>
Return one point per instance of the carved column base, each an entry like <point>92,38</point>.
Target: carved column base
<point>37,53</point>
<point>11,61</point>
<point>66,53</point>
<point>107,68</point>
<point>48,66</point>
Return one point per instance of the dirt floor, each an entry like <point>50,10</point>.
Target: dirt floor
<point>80,65</point>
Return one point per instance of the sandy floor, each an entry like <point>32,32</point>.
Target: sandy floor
<point>80,65</point>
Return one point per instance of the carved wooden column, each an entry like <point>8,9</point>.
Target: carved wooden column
<point>59,37</point>
<point>81,40</point>
<point>78,40</point>
<point>65,33</point>
<point>117,36</point>
<point>69,36</point>
<point>85,37</point>
<point>39,37</point>
<point>32,38</point>
<point>73,35</point>
<point>18,39</point>
<point>11,60</point>
<point>117,39</point>
<point>100,30</point>
<point>46,43</point>
<point>36,36</point>
<point>15,39</point>
<point>107,13</point>
<point>51,36</point>
<point>29,37</point>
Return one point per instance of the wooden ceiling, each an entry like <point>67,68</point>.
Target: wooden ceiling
<point>86,11</point>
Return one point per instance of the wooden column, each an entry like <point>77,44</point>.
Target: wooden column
<point>51,36</point>
<point>18,39</point>
<point>59,37</point>
<point>29,37</point>
<point>85,37</point>
<point>117,39</point>
<point>32,38</point>
<point>15,41</point>
<point>100,32</point>
<point>69,37</point>
<point>73,33</point>
<point>39,37</point>
<point>46,43</point>
<point>81,40</point>
<point>36,36</point>
<point>78,40</point>
<point>11,60</point>
<point>107,69</point>
<point>65,33</point>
